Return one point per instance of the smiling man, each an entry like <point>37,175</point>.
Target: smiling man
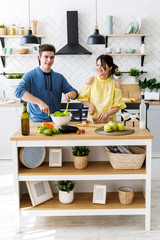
<point>42,88</point>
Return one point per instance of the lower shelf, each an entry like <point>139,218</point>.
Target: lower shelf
<point>82,205</point>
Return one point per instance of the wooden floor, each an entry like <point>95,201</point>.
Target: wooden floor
<point>76,228</point>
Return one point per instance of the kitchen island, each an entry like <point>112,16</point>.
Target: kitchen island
<point>97,171</point>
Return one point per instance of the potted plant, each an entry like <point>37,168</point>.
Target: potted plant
<point>14,79</point>
<point>80,156</point>
<point>134,73</point>
<point>117,75</point>
<point>66,192</point>
<point>150,88</point>
<point>3,30</point>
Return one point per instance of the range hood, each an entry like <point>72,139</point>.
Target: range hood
<point>73,46</point>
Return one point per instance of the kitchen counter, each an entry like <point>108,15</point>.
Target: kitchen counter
<point>19,104</point>
<point>90,134</point>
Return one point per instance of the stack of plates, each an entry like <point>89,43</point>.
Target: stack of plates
<point>134,27</point>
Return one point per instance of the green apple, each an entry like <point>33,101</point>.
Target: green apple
<point>108,128</point>
<point>121,126</point>
<point>113,125</point>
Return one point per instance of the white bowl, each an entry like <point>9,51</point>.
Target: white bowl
<point>61,120</point>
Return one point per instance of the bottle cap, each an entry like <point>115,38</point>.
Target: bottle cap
<point>24,104</point>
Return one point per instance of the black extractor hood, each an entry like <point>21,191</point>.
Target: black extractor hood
<point>73,46</point>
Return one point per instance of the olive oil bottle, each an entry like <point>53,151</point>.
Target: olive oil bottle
<point>25,129</point>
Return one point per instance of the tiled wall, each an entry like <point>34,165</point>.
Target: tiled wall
<point>76,68</point>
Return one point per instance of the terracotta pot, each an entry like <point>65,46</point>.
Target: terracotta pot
<point>80,162</point>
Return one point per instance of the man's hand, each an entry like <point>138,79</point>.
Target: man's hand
<point>70,95</point>
<point>102,116</point>
<point>44,108</point>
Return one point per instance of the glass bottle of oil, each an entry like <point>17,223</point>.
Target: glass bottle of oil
<point>25,129</point>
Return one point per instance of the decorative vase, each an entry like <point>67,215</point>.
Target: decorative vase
<point>117,77</point>
<point>34,26</point>
<point>65,197</point>
<point>80,162</point>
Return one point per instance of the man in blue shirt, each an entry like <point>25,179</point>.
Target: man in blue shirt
<point>42,88</point>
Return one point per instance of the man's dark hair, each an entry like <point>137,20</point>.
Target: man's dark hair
<point>46,47</point>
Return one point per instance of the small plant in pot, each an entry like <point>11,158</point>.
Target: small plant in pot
<point>117,75</point>
<point>80,156</point>
<point>3,30</point>
<point>66,192</point>
<point>14,79</point>
<point>134,73</point>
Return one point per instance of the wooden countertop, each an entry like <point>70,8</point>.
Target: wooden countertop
<point>89,134</point>
<point>14,104</point>
<point>19,104</point>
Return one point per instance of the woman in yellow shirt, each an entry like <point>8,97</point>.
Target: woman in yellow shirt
<point>102,94</point>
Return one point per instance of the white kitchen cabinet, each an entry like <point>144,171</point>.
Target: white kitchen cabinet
<point>10,121</point>
<point>97,172</point>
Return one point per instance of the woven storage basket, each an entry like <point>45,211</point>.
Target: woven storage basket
<point>128,161</point>
<point>3,31</point>
<point>125,195</point>
<point>80,162</point>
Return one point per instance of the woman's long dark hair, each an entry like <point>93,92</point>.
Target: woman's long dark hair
<point>107,59</point>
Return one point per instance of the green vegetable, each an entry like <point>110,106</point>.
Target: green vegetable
<point>56,131</point>
<point>40,129</point>
<point>61,114</point>
<point>48,132</point>
<point>2,26</point>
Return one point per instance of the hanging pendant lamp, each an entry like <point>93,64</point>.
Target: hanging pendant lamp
<point>29,40</point>
<point>96,37</point>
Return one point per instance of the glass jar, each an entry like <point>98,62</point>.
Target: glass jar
<point>21,30</point>
<point>12,29</point>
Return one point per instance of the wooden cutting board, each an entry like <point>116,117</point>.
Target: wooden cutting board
<point>90,124</point>
<point>116,133</point>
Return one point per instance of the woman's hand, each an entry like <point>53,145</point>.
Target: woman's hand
<point>91,109</point>
<point>102,116</point>
<point>44,108</point>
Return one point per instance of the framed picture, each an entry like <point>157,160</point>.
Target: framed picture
<point>39,191</point>
<point>55,157</point>
<point>99,194</point>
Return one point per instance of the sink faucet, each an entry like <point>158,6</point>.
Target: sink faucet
<point>4,96</point>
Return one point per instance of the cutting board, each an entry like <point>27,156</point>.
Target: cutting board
<point>90,124</point>
<point>116,133</point>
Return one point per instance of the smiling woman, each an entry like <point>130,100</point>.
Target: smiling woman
<point>102,94</point>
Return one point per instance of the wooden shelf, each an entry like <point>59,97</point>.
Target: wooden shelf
<point>128,54</point>
<point>19,55</point>
<point>99,170</point>
<point>127,35</point>
<point>83,202</point>
<point>17,36</point>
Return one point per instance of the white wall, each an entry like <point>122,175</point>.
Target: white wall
<point>51,16</point>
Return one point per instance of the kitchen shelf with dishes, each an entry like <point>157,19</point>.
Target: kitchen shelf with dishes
<point>141,35</point>
<point>97,170</point>
<point>2,39</point>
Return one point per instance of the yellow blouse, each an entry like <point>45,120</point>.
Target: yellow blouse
<point>103,94</point>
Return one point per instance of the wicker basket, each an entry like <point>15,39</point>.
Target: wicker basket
<point>128,161</point>
<point>3,31</point>
<point>125,195</point>
<point>80,162</point>
<point>23,50</point>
